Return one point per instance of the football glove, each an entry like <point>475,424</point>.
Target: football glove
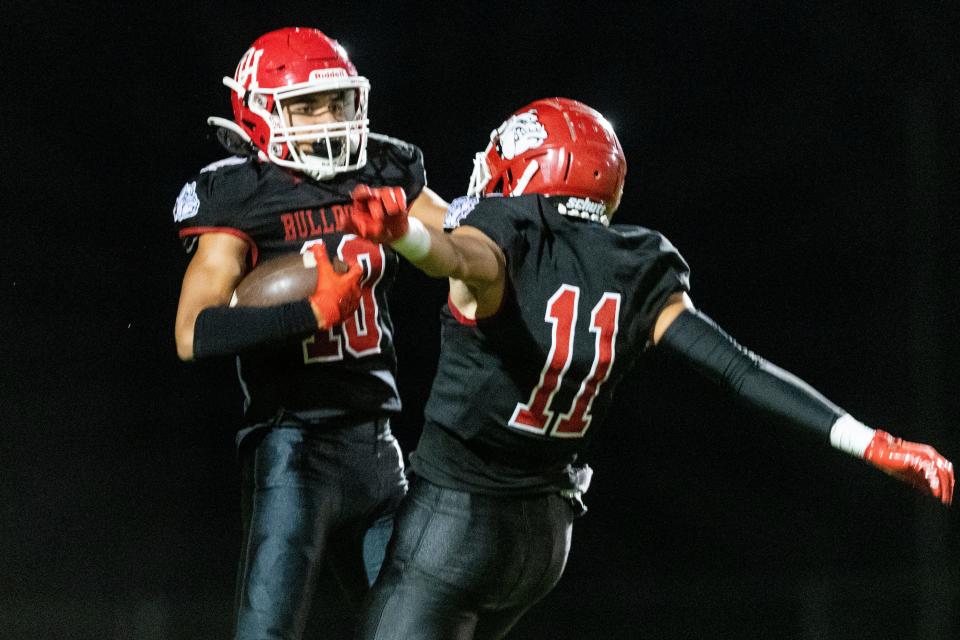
<point>917,464</point>
<point>337,295</point>
<point>379,213</point>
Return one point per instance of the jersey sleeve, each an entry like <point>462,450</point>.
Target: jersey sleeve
<point>215,201</point>
<point>497,219</point>
<point>661,273</point>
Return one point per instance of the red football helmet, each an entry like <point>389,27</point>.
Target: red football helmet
<point>555,147</point>
<point>291,63</point>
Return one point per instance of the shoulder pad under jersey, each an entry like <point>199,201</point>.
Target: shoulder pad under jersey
<point>396,162</point>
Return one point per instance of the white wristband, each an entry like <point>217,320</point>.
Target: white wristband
<point>415,243</point>
<point>850,435</point>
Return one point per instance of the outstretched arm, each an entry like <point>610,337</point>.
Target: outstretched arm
<point>429,208</point>
<point>466,255</point>
<point>473,262</point>
<point>699,341</point>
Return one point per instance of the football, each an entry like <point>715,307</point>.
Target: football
<point>284,279</point>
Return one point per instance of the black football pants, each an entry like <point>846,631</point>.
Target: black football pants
<point>309,494</point>
<point>464,566</point>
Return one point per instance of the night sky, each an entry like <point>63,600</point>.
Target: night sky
<point>802,156</point>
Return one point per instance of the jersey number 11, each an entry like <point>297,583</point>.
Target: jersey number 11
<point>536,416</point>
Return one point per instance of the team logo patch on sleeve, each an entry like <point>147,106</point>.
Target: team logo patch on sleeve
<point>188,204</point>
<point>458,209</point>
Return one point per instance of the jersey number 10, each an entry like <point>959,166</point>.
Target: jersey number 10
<point>536,416</point>
<point>361,331</point>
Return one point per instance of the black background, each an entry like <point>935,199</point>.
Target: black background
<point>803,156</point>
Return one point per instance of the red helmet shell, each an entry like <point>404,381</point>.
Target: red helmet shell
<point>554,147</point>
<point>285,59</point>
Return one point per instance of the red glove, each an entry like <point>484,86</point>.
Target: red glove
<point>379,213</point>
<point>337,295</point>
<point>917,464</point>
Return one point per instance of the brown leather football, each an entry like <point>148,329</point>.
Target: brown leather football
<point>284,279</point>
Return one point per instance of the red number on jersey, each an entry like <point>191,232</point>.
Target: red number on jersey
<point>604,323</point>
<point>363,327</point>
<point>362,330</point>
<point>535,416</point>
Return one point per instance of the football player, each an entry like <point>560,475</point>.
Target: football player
<point>549,305</point>
<point>319,463</point>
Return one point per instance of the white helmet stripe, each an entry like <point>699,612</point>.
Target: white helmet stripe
<point>525,179</point>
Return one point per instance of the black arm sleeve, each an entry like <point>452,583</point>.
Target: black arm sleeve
<point>221,331</point>
<point>699,341</point>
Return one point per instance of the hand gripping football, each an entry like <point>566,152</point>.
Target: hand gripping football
<point>284,279</point>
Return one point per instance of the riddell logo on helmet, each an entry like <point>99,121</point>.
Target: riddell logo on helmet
<point>324,74</point>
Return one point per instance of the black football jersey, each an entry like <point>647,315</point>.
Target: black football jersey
<point>348,368</point>
<point>517,395</point>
